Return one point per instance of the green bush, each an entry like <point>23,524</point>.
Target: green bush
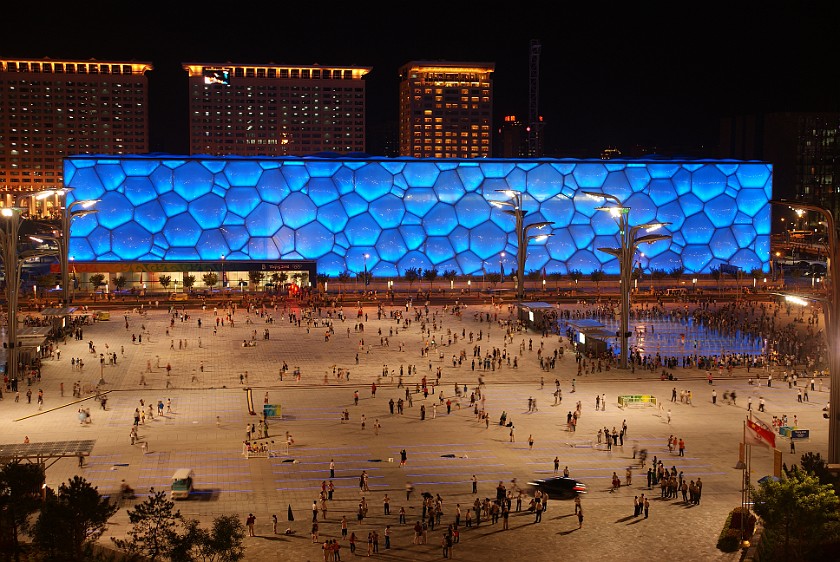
<point>730,536</point>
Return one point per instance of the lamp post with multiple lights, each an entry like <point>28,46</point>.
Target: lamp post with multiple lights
<point>523,236</point>
<point>64,241</point>
<point>13,258</point>
<point>630,241</point>
<point>831,312</point>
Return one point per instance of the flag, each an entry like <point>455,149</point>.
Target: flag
<point>759,433</point>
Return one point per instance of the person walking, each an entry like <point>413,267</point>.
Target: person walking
<point>647,507</point>
<point>530,442</point>
<point>250,521</point>
<point>556,465</point>
<point>332,468</point>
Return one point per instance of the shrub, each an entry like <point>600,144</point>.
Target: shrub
<point>730,536</point>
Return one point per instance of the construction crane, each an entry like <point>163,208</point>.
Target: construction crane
<point>535,148</point>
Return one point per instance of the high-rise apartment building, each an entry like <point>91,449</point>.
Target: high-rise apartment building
<point>50,109</point>
<point>271,110</point>
<point>446,109</point>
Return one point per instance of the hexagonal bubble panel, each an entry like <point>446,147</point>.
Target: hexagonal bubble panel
<point>388,211</point>
<point>400,208</point>
<point>209,211</point>
<point>391,245</point>
<point>487,240</point>
<point>139,190</point>
<point>212,245</point>
<point>419,200</point>
<point>438,249</point>
<point>441,220</point>
<point>362,231</point>
<point>322,191</point>
<point>313,241</point>
<point>721,211</point>
<point>284,240</point>
<point>332,264</point>
<point>297,210</point>
<point>192,180</point>
<point>114,210</point>
<point>561,246</point>
<point>263,248</point>
<point>472,210</point>
<point>182,231</point>
<point>413,260</point>
<point>332,216</point>
<point>708,182</point>
<point>696,258</point>
<point>723,244</point>
<point>272,186</point>
<point>265,220</point>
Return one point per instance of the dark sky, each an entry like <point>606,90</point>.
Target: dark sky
<point>625,74</point>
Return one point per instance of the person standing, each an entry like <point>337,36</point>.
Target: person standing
<point>403,457</point>
<point>714,396</point>
<point>250,521</point>
<point>332,468</point>
<point>538,509</point>
<point>474,484</point>
<point>530,442</point>
<point>580,518</point>
<point>647,507</point>
<point>274,523</point>
<point>556,465</point>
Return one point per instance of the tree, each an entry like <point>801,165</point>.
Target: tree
<point>717,275</point>
<point>97,280</point>
<point>534,276</point>
<point>322,280</point>
<point>494,278</point>
<point>597,276</point>
<point>189,281</point>
<point>798,508</point>
<point>430,275</point>
<point>47,280</point>
<point>343,278</point>
<point>556,277</point>
<point>677,273</point>
<point>119,282</point>
<point>575,275</point>
<point>154,528</point>
<point>223,542</point>
<point>256,277</point>
<point>72,519</point>
<point>165,280</point>
<point>450,275</point>
<point>210,279</point>
<point>20,497</point>
<point>411,274</point>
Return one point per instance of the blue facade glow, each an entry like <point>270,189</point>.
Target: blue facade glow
<point>407,213</point>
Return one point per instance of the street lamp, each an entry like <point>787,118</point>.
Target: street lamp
<point>13,259</point>
<point>831,312</point>
<point>522,234</point>
<point>223,272</point>
<point>629,243</point>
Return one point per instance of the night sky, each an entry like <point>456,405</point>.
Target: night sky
<point>651,74</point>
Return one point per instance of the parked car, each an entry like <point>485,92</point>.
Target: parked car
<point>559,487</point>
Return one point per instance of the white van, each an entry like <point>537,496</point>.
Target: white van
<point>182,484</point>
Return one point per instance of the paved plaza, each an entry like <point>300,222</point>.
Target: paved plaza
<point>205,430</point>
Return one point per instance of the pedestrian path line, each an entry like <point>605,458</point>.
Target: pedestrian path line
<point>56,408</point>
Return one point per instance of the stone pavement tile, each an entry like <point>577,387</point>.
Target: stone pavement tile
<point>205,431</point>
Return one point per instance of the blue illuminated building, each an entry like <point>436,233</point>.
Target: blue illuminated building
<point>415,213</point>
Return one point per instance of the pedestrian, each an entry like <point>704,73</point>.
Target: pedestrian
<point>530,442</point>
<point>474,484</point>
<point>580,518</point>
<point>647,508</point>
<point>332,468</point>
<point>714,394</point>
<point>274,523</point>
<point>792,446</point>
<point>250,523</point>
<point>669,415</point>
<point>556,465</point>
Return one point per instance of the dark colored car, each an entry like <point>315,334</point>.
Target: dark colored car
<point>559,487</point>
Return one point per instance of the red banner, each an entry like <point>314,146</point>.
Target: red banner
<point>761,434</point>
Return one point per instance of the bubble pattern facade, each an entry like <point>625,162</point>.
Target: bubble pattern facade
<point>416,213</point>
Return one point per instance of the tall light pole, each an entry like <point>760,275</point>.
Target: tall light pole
<point>831,312</point>
<point>366,272</point>
<point>64,241</point>
<point>11,218</point>
<point>223,273</point>
<point>522,234</point>
<point>629,242</point>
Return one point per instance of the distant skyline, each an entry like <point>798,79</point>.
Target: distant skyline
<point>610,75</point>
